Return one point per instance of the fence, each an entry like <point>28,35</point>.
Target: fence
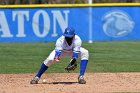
<point>45,23</point>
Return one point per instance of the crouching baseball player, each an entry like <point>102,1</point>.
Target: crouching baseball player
<point>69,44</point>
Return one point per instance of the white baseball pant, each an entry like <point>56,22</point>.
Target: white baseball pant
<point>84,55</point>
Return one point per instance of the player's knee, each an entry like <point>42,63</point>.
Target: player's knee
<point>48,62</point>
<point>85,55</point>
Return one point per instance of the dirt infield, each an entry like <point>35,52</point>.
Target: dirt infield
<point>67,83</point>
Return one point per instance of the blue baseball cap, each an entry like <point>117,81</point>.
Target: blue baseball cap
<point>69,32</point>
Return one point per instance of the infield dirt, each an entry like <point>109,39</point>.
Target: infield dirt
<point>67,83</point>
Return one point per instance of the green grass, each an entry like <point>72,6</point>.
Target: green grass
<point>114,56</point>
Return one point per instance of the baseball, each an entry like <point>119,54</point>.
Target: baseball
<point>44,81</point>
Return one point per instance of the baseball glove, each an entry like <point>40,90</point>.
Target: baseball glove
<point>72,65</point>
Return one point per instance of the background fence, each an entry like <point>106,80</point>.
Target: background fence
<point>46,24</point>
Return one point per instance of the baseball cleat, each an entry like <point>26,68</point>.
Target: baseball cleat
<point>35,80</point>
<point>81,80</point>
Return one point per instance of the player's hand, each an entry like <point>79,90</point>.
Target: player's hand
<point>57,59</point>
<point>72,65</point>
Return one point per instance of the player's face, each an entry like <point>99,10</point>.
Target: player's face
<point>69,40</point>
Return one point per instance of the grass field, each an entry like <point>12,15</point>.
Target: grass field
<point>114,56</point>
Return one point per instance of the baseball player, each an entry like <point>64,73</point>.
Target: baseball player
<point>69,44</point>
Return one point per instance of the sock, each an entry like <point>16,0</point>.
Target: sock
<point>43,68</point>
<point>83,65</point>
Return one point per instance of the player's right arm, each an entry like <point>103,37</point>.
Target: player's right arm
<point>58,50</point>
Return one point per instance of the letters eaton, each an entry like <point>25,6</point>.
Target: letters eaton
<point>20,18</point>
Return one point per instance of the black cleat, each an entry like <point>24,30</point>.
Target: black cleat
<point>81,80</point>
<point>35,80</point>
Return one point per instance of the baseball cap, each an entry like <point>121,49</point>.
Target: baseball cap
<point>69,32</point>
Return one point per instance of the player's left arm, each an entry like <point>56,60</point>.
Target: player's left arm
<point>76,49</point>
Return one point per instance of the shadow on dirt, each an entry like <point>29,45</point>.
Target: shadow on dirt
<point>63,83</point>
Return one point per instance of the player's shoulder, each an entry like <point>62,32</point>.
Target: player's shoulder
<point>61,39</point>
<point>77,37</point>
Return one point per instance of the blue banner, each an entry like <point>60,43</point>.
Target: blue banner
<point>90,23</point>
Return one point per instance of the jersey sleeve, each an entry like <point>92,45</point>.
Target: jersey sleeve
<point>76,49</point>
<point>58,45</point>
<point>58,48</point>
<point>77,45</point>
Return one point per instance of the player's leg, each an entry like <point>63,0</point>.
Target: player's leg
<point>45,65</point>
<point>49,61</point>
<point>83,64</point>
